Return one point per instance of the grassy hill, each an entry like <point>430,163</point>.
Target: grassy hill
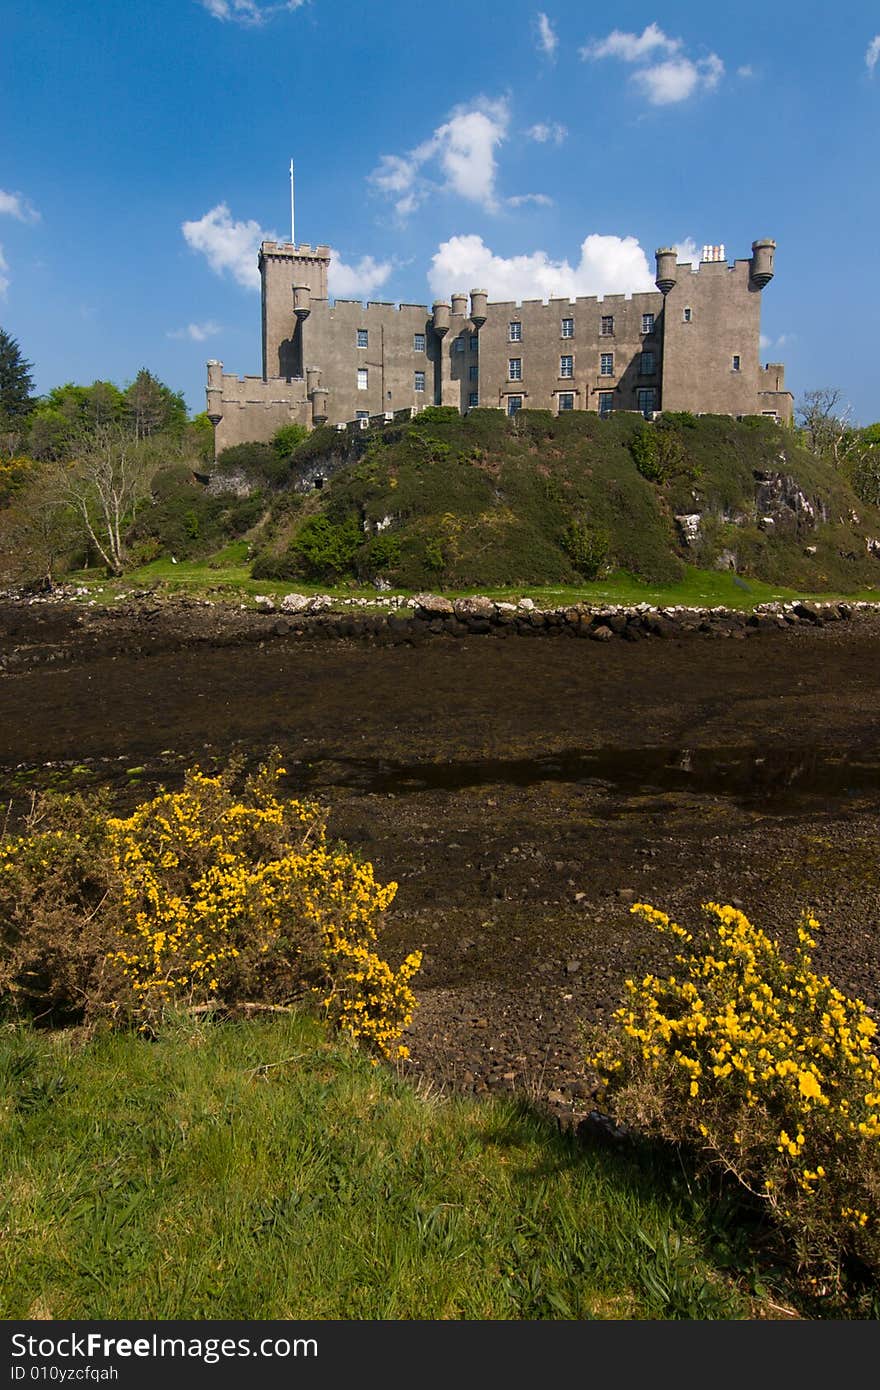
<point>445,501</point>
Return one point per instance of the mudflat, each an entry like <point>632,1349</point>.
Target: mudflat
<point>522,793</point>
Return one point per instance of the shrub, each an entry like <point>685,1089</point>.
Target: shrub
<point>324,549</point>
<point>287,439</point>
<point>587,547</point>
<point>202,896</point>
<point>766,1070</point>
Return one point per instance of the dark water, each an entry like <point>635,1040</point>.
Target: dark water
<point>781,779</point>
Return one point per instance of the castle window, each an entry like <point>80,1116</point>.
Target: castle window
<point>647,323</point>
<point>363,379</point>
<point>473,372</point>
<point>418,381</point>
<point>567,329</point>
<point>475,342</point>
<point>736,363</point>
<point>606,364</point>
<point>514,332</point>
<point>418,342</point>
<point>514,403</point>
<point>514,369</point>
<point>363,338</point>
<point>458,345</point>
<point>566,366</point>
<point>687,316</point>
<point>566,400</point>
<point>646,401</point>
<point>363,415</point>
<point>646,364</point>
<point>607,326</point>
<point>606,403</point>
<point>474,398</point>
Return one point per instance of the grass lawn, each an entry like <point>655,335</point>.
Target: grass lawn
<point>226,578</point>
<point>259,1170</point>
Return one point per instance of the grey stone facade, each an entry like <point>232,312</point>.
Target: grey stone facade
<point>693,344</point>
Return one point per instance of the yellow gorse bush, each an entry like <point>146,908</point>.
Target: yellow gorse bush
<point>765,1067</point>
<point>208,895</point>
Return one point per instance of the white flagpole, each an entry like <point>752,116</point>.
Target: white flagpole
<point>292,238</point>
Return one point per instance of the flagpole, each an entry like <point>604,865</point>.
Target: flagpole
<point>292,238</point>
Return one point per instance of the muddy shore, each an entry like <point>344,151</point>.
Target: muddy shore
<point>521,793</point>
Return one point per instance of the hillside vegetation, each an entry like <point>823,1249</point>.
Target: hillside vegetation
<point>445,501</point>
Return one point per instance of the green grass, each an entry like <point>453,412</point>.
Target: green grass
<point>226,577</point>
<point>258,1170</point>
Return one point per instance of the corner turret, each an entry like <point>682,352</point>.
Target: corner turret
<point>762,262</point>
<point>667,260</point>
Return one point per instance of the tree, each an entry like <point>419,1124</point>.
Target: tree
<point>825,420</point>
<point>38,531</point>
<point>151,406</point>
<point>16,382</point>
<point>103,486</point>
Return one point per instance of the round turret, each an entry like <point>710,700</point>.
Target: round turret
<point>762,262</point>
<point>667,259</point>
<point>319,406</point>
<point>440,318</point>
<point>478,307</point>
<point>460,305</point>
<point>302,301</point>
<point>313,380</point>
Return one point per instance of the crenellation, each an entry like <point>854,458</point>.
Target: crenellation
<point>690,344</point>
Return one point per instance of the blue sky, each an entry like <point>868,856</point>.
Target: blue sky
<point>144,151</point>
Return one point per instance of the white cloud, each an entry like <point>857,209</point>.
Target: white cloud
<point>547,132</point>
<point>197,332</point>
<point>631,48</point>
<point>745,71</point>
<point>547,38</point>
<point>17,205</point>
<point>521,199</point>
<point>687,251</point>
<point>4,279</point>
<point>676,80</point>
<point>356,281</point>
<point>607,265</point>
<point>672,79</point>
<point>461,152</point>
<point>232,248</point>
<point>249,12</point>
<point>227,245</point>
<point>873,54</point>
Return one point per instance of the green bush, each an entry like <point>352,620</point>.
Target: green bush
<point>325,550</point>
<point>288,439</point>
<point>587,547</point>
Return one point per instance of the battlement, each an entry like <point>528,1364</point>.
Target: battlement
<point>286,248</point>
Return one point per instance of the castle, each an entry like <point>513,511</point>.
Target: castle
<point>693,344</point>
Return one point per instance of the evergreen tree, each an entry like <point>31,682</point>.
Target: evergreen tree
<point>16,382</point>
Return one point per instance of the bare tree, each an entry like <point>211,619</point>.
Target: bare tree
<point>103,485</point>
<point>825,420</point>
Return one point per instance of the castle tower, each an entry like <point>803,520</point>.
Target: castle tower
<point>290,278</point>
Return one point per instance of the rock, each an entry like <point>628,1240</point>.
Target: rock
<point>433,605</point>
<point>474,607</point>
<point>572,967</point>
<point>526,604</point>
<point>295,603</point>
<point>689,526</point>
<point>601,633</point>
